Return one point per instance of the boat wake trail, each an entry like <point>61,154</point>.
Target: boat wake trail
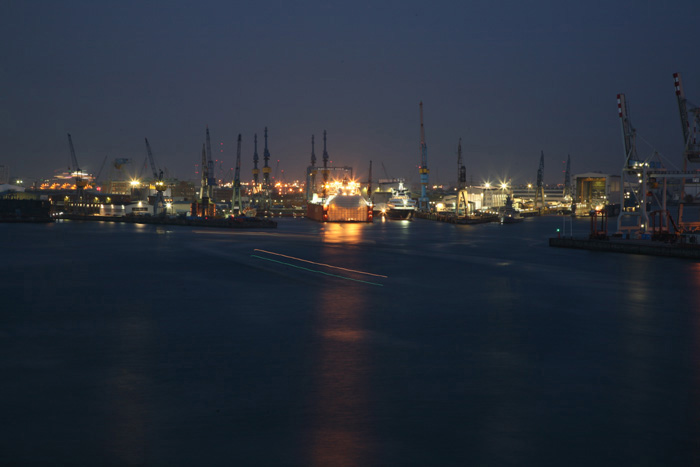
<point>317,264</point>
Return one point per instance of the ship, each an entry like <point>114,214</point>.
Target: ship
<point>400,205</point>
<point>344,204</point>
<point>509,215</point>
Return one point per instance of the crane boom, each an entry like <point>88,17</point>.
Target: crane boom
<point>74,160</point>
<point>690,121</point>
<point>150,159</point>
<point>628,132</point>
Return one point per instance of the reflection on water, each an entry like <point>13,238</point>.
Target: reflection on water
<point>128,386</point>
<point>350,233</point>
<point>339,434</point>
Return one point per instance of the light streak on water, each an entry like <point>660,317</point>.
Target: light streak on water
<point>319,272</point>
<point>320,264</point>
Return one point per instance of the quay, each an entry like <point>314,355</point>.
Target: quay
<point>621,245</point>
<point>228,222</point>
<point>450,218</point>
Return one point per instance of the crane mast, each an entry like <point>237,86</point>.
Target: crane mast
<point>325,166</point>
<point>211,177</point>
<point>204,191</point>
<point>159,204</point>
<point>461,170</point>
<point>266,175</point>
<point>567,180</point>
<point>311,174</point>
<point>236,204</point>
<point>539,188</point>
<point>423,201</point>
<point>369,182</point>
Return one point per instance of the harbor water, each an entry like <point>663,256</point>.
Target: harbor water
<point>391,343</point>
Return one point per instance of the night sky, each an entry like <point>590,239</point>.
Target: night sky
<point>510,78</point>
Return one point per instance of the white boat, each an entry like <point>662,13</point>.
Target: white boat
<point>400,205</point>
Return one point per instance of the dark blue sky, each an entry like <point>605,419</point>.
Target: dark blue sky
<point>510,78</point>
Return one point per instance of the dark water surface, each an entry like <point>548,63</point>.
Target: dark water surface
<point>128,344</point>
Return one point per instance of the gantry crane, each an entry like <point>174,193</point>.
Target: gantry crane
<point>633,180</point>
<point>159,205</point>
<point>690,122</point>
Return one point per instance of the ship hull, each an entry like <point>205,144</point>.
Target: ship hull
<point>400,214</point>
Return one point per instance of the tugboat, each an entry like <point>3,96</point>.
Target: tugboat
<point>510,215</point>
<point>400,206</point>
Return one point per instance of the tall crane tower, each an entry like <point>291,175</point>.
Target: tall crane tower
<point>539,188</point>
<point>266,176</point>
<point>461,170</point>
<point>462,202</point>
<point>159,205</point>
<point>311,174</point>
<point>423,201</point>
<point>80,180</point>
<point>236,203</point>
<point>256,171</point>
<point>690,122</point>
<point>211,177</point>
<point>204,190</point>
<point>567,180</point>
<point>325,167</point>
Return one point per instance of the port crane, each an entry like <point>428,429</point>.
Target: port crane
<point>311,174</point>
<point>539,188</point>
<point>567,180</point>
<point>690,123</point>
<point>423,201</point>
<point>80,181</point>
<point>236,203</point>
<point>211,176</point>
<point>266,177</point>
<point>159,204</point>
<point>462,202</point>
<point>633,179</point>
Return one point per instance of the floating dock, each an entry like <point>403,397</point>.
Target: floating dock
<point>638,247</point>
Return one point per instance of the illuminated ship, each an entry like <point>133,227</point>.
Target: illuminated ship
<point>400,205</point>
<point>343,203</point>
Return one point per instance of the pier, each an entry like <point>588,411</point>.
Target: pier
<point>639,247</point>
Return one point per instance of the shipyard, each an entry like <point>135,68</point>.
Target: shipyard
<point>350,234</point>
<point>648,202</point>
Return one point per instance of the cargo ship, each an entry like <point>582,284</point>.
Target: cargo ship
<point>343,203</point>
